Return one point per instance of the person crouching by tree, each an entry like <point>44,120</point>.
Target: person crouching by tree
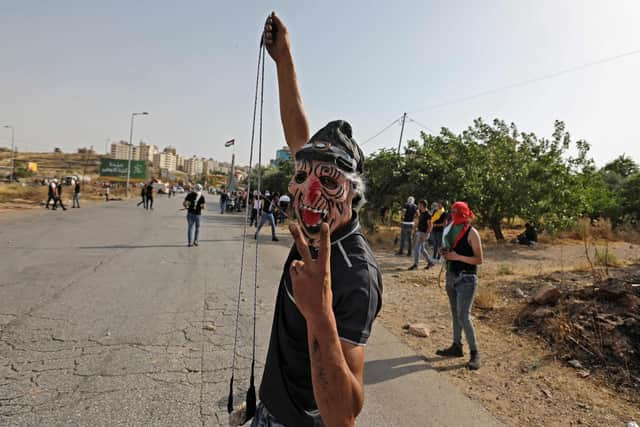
<point>330,290</point>
<point>463,252</point>
<point>194,202</point>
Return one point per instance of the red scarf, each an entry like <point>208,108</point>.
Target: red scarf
<point>464,215</point>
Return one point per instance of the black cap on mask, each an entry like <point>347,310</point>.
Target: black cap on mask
<point>334,143</point>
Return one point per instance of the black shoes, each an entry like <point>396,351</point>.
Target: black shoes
<point>429,265</point>
<point>275,239</point>
<point>413,267</point>
<point>454,351</point>
<point>474,362</point>
<point>195,243</point>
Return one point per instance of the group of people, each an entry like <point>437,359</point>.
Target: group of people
<point>429,224</point>
<point>54,194</point>
<point>232,201</point>
<point>146,195</point>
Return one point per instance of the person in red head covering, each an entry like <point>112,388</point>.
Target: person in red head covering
<point>463,252</point>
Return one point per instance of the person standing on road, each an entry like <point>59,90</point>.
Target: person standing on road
<point>424,229</point>
<point>51,197</point>
<point>76,194</point>
<point>59,197</point>
<point>284,207</point>
<point>439,218</point>
<point>268,207</point>
<point>223,201</point>
<point>194,202</point>
<point>150,195</point>
<point>331,287</point>
<point>463,252</point>
<point>255,209</point>
<point>406,229</point>
<point>107,187</point>
<point>143,196</point>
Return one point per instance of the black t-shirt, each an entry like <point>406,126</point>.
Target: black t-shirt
<point>192,207</point>
<point>410,211</point>
<point>423,221</point>
<point>149,191</point>
<point>77,188</point>
<point>356,282</point>
<point>267,207</point>
<point>440,222</point>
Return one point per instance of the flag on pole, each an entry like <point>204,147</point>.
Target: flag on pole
<point>230,143</point>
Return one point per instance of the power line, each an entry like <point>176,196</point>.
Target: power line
<point>529,81</point>
<point>381,132</point>
<point>423,126</point>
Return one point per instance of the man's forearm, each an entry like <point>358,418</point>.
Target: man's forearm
<point>292,115</point>
<point>337,391</point>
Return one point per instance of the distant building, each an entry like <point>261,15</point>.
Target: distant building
<point>193,166</point>
<point>120,150</point>
<point>165,161</point>
<point>179,162</point>
<point>169,149</point>
<point>283,154</point>
<point>146,151</point>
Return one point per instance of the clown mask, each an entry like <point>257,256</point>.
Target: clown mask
<point>321,193</point>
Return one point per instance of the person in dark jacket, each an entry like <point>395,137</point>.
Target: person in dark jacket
<point>149,204</point>
<point>59,198</point>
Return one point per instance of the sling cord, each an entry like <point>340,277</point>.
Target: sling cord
<point>251,392</point>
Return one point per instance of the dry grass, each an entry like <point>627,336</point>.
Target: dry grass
<point>504,270</point>
<point>486,298</point>
<point>20,193</point>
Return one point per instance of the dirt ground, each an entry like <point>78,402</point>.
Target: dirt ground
<point>522,380</point>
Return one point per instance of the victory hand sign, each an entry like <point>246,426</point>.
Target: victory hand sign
<point>311,278</point>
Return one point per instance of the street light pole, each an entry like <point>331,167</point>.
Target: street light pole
<point>13,152</point>
<point>144,113</point>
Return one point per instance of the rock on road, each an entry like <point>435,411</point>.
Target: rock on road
<point>107,318</point>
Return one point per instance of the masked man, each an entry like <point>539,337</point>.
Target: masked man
<point>331,287</point>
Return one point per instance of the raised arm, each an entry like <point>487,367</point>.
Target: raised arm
<point>294,119</point>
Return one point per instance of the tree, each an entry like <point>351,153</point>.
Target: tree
<point>622,165</point>
<point>57,150</point>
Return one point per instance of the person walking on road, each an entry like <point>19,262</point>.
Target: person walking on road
<point>331,287</point>
<point>194,202</point>
<point>463,252</point>
<point>406,229</point>
<point>143,196</point>
<point>51,197</point>
<point>149,204</point>
<point>59,198</point>
<point>268,206</point>
<point>424,229</point>
<point>76,194</point>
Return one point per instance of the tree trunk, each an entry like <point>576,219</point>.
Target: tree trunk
<point>497,229</point>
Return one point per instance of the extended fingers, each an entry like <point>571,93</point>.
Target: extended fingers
<point>301,242</point>
<point>324,253</point>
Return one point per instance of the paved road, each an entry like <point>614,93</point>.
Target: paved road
<point>107,318</point>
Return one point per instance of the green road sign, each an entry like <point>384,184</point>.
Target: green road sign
<point>116,170</point>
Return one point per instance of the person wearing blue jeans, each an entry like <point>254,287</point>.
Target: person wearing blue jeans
<point>267,215</point>
<point>424,228</point>
<point>463,252</point>
<point>406,230</point>
<point>194,203</point>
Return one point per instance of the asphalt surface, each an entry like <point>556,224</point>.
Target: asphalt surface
<point>107,318</point>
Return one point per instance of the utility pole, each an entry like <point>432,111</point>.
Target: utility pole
<point>404,117</point>
<point>133,115</point>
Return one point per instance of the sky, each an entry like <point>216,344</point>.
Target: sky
<point>73,71</point>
